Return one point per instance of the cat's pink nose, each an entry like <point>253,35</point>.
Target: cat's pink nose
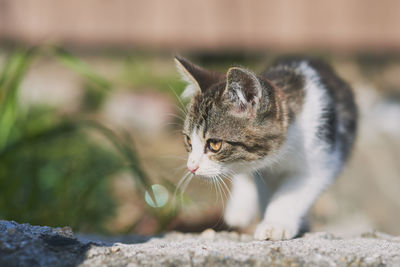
<point>193,169</point>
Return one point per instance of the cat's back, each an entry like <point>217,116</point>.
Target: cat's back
<point>314,91</point>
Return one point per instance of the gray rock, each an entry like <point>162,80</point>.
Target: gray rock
<point>26,245</point>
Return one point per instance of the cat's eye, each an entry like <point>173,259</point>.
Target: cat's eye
<point>214,145</point>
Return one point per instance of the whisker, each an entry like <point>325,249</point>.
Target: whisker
<point>181,110</point>
<point>182,180</point>
<point>177,97</point>
<point>220,192</point>
<point>165,125</point>
<point>209,183</point>
<point>182,116</point>
<point>215,187</point>
<point>226,187</point>
<point>179,185</point>
<point>175,131</point>
<point>222,188</point>
<point>185,185</point>
<point>215,183</point>
<point>219,183</point>
<point>231,173</point>
<point>226,176</point>
<point>175,116</point>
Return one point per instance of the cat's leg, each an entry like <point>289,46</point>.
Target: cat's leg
<point>242,206</point>
<point>289,204</point>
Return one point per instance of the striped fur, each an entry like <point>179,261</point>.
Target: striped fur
<point>293,126</point>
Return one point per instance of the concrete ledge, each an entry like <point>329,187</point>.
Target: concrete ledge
<point>26,245</point>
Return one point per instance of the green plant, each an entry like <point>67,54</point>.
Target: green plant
<point>139,73</point>
<point>51,171</point>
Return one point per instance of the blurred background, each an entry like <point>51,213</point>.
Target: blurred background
<point>90,118</point>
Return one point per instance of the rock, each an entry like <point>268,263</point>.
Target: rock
<point>26,245</point>
<point>208,234</point>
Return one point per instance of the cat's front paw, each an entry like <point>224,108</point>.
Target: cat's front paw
<point>275,231</point>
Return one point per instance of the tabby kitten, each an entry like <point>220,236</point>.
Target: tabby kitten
<point>282,136</point>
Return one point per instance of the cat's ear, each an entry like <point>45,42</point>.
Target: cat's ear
<point>243,88</point>
<point>198,79</point>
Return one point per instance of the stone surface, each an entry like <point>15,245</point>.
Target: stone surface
<point>26,245</point>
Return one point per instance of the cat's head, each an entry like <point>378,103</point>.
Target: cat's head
<point>232,120</point>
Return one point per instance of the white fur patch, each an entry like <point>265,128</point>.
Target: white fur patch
<point>242,206</point>
<point>195,156</point>
<point>315,101</point>
<point>193,86</point>
<point>241,97</point>
<point>317,168</point>
<point>189,91</point>
<point>313,107</point>
<point>199,158</point>
<point>305,161</point>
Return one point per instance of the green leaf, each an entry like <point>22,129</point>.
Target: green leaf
<point>10,80</point>
<point>80,67</point>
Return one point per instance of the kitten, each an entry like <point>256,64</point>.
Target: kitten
<point>282,136</point>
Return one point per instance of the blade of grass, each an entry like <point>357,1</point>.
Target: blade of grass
<point>11,77</point>
<point>44,135</point>
<point>10,81</point>
<point>126,149</point>
<point>7,113</point>
<point>80,67</point>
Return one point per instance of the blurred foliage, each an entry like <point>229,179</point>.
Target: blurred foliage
<point>51,171</point>
<point>93,98</point>
<point>139,73</point>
